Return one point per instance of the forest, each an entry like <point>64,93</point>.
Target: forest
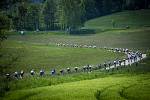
<point>46,15</point>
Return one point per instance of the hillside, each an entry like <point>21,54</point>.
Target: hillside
<point>110,88</point>
<point>38,50</point>
<point>133,19</point>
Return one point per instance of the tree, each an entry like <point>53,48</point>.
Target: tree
<point>17,13</point>
<point>70,13</point>
<point>4,26</point>
<point>107,6</point>
<point>4,20</point>
<point>90,9</point>
<point>49,14</point>
<point>22,11</point>
<point>33,17</point>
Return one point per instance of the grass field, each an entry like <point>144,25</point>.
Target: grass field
<point>17,56</point>
<point>133,19</point>
<point>119,84</point>
<point>130,38</point>
<point>115,87</point>
<point>38,50</point>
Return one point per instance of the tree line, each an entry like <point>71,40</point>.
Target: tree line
<point>60,14</point>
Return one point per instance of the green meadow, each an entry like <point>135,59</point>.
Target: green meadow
<point>39,51</point>
<point>27,56</point>
<point>115,87</point>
